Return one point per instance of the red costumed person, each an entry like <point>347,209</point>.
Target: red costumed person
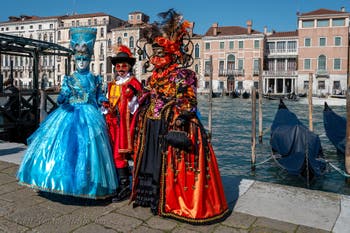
<point>176,173</point>
<point>122,95</point>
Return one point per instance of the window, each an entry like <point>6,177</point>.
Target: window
<point>119,40</point>
<point>31,27</point>
<point>322,41</point>
<point>59,35</point>
<point>51,26</point>
<point>336,64</point>
<point>307,42</point>
<point>306,85</point>
<point>101,68</point>
<point>336,85</point>
<point>322,62</point>
<point>221,68</point>
<point>109,43</point>
<point>322,22</point>
<point>240,44</point>
<point>73,23</point>
<point>101,49</point>
<point>321,85</point>
<point>102,32</point>
<point>240,64</point>
<point>40,26</point>
<point>95,21</point>
<point>78,23</point>
<point>338,22</point>
<point>230,63</point>
<point>337,41</point>
<point>131,42</point>
<point>231,44</point>
<point>222,45</point>
<point>207,46</point>
<point>307,64</point>
<point>256,67</point>
<point>207,68</point>
<point>292,46</point>
<point>256,44</point>
<point>125,34</point>
<point>196,68</point>
<point>281,46</point>
<point>307,24</point>
<point>89,22</point>
<point>221,85</point>
<point>196,51</point>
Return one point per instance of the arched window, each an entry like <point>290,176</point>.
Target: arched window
<point>119,41</point>
<point>109,43</point>
<point>322,62</point>
<point>196,68</point>
<point>231,62</point>
<point>196,51</point>
<point>131,42</point>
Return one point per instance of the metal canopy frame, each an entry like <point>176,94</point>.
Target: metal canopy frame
<point>26,47</point>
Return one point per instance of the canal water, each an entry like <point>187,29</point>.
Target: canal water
<point>231,139</point>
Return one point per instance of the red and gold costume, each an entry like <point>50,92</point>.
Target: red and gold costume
<point>120,121</point>
<point>180,183</point>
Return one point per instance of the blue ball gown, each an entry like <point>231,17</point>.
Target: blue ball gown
<point>70,152</point>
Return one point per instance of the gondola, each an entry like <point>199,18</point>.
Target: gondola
<point>245,95</point>
<point>294,147</point>
<point>335,128</point>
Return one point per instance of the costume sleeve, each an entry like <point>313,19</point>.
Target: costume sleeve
<point>186,94</point>
<point>99,93</point>
<point>65,92</point>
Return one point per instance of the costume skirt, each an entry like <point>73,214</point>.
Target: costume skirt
<point>184,185</point>
<point>70,154</point>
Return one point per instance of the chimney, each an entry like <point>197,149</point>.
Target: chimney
<point>215,29</point>
<point>249,27</point>
<point>265,30</point>
<point>191,28</point>
<point>342,9</point>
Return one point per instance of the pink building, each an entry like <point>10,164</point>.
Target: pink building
<point>323,51</point>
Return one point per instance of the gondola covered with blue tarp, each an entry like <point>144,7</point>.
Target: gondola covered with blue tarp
<point>335,127</point>
<point>294,146</point>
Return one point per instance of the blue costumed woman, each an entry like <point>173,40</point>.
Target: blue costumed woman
<point>70,152</point>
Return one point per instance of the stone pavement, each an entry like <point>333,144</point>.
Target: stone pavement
<point>257,207</point>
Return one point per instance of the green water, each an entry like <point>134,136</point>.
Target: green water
<point>231,139</point>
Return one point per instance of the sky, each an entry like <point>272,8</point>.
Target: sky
<point>278,15</point>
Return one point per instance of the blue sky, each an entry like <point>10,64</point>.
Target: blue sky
<point>279,15</point>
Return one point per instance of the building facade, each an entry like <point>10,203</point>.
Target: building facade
<point>323,51</point>
<point>237,56</point>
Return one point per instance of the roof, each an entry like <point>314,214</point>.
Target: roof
<point>284,34</point>
<point>323,11</point>
<point>230,30</point>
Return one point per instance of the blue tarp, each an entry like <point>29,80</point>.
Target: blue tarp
<point>293,141</point>
<point>335,127</point>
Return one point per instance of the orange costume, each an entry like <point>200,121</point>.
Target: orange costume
<point>176,173</point>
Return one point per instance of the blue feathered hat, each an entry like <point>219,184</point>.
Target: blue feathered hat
<point>82,40</point>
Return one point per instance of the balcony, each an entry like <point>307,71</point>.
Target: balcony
<point>231,72</point>
<point>322,73</point>
<point>280,73</point>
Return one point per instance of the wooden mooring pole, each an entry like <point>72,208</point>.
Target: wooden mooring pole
<point>347,147</point>
<point>253,140</point>
<point>210,98</point>
<point>260,103</point>
<point>309,97</point>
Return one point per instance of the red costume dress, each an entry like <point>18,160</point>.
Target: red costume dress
<point>176,176</point>
<point>120,119</point>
